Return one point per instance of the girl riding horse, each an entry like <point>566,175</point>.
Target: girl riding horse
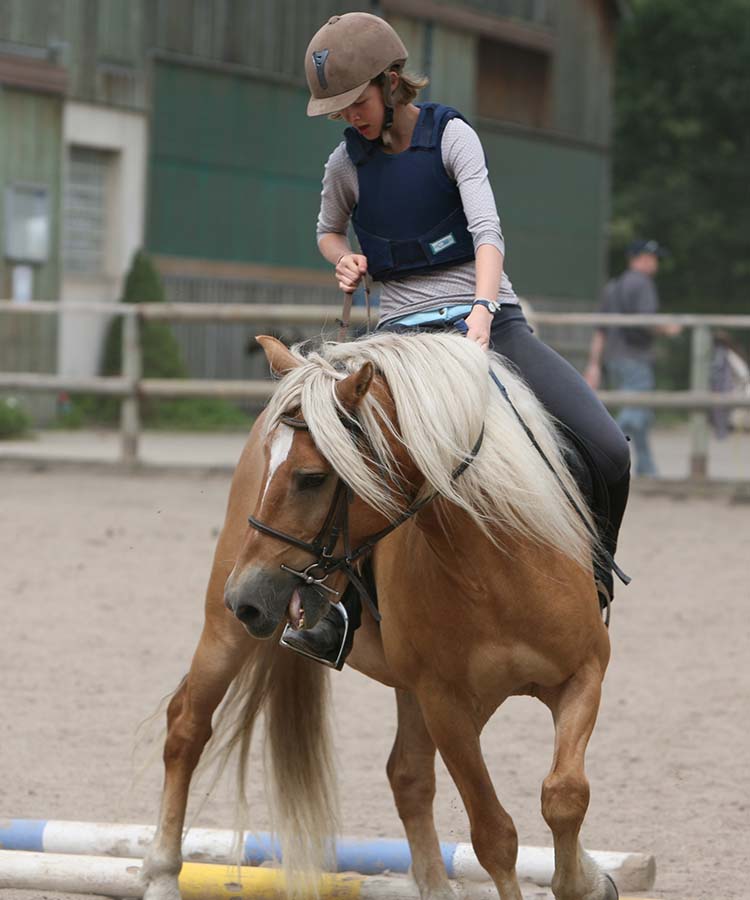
<point>412,180</point>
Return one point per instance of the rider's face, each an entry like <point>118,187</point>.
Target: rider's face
<point>367,113</point>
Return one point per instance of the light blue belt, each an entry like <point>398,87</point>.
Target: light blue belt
<point>435,316</point>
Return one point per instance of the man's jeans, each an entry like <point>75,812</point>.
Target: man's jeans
<point>635,375</point>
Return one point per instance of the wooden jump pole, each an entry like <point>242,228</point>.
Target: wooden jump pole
<point>367,856</point>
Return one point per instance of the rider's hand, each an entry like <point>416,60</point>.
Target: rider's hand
<point>349,271</point>
<point>479,322</point>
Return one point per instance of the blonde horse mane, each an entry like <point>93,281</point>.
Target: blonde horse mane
<point>443,397</point>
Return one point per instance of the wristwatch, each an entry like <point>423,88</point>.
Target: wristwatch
<point>490,305</point>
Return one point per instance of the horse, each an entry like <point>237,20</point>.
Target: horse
<point>484,590</point>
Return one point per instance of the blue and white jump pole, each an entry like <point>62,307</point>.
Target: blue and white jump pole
<point>631,871</point>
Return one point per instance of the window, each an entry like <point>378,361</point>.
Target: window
<point>538,12</point>
<point>513,84</point>
<point>28,217</point>
<point>85,212</point>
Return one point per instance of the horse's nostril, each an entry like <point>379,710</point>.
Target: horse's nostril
<point>248,614</point>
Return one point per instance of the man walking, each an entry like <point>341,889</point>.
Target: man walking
<point>627,353</point>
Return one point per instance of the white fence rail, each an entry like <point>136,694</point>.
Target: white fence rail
<point>131,386</point>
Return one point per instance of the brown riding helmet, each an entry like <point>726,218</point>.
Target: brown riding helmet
<point>343,58</point>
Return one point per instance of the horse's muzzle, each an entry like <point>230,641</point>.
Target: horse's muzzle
<point>261,600</point>
<point>257,600</point>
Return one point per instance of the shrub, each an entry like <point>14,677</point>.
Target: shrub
<point>161,358</point>
<point>14,420</point>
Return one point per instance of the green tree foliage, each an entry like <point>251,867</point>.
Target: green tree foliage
<point>161,352</point>
<point>682,147</point>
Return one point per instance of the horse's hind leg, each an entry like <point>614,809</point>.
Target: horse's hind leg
<point>565,792</point>
<point>493,834</point>
<point>217,660</point>
<point>411,772</point>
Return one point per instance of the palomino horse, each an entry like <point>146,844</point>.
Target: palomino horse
<point>485,592</point>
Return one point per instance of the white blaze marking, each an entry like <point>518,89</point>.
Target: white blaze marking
<point>281,444</point>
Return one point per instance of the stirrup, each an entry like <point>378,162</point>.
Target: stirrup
<point>338,664</point>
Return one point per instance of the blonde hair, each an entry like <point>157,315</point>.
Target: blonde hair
<point>409,85</point>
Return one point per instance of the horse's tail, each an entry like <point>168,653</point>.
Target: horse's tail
<point>301,787</point>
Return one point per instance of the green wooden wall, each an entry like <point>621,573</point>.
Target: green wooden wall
<point>235,168</point>
<point>235,164</point>
<point>30,152</point>
<point>552,200</point>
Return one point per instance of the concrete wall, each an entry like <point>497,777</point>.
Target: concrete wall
<point>124,135</point>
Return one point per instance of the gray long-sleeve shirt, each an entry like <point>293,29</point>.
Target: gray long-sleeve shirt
<point>631,292</point>
<point>463,158</point>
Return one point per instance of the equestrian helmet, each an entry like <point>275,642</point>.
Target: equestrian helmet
<point>344,56</point>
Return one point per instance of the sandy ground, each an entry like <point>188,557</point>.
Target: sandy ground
<point>102,583</point>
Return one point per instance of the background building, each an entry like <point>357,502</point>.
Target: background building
<point>179,126</point>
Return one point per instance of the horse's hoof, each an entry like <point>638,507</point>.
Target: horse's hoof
<point>612,892</point>
<point>162,887</point>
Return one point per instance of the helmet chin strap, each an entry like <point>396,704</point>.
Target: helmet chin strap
<point>385,135</point>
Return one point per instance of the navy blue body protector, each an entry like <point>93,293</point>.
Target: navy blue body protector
<point>409,218</point>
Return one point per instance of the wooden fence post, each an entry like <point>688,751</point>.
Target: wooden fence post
<point>130,420</point>
<point>700,380</point>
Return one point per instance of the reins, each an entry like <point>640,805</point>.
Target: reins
<point>336,526</point>
<point>346,312</point>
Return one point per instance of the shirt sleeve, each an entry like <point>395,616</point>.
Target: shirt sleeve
<point>339,194</point>
<point>463,158</point>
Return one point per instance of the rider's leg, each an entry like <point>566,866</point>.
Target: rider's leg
<point>569,398</point>
<point>324,642</point>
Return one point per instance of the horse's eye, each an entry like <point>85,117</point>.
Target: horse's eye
<point>308,481</point>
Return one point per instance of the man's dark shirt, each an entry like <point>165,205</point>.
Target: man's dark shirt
<point>631,293</point>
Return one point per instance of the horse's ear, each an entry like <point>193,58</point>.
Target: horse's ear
<point>279,357</point>
<point>353,388</point>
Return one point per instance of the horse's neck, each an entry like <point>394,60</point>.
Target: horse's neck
<point>452,536</point>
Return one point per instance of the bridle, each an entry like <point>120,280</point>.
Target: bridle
<point>336,526</point>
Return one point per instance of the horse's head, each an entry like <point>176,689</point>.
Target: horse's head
<point>302,501</point>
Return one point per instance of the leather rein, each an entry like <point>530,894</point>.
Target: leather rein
<point>336,526</point>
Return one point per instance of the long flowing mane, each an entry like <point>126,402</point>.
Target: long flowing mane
<point>443,397</point>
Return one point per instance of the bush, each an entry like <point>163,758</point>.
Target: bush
<point>161,352</point>
<point>161,358</point>
<point>14,420</point>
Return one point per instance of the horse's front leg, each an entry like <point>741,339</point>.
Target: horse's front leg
<point>565,792</point>
<point>217,660</point>
<point>411,772</point>
<point>456,734</point>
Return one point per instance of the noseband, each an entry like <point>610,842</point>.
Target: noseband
<point>336,525</point>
